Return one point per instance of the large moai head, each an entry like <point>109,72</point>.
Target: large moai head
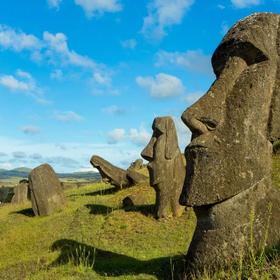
<point>234,123</point>
<point>166,167</point>
<point>229,157</point>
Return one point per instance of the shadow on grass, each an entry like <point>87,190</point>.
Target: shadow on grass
<point>147,210</point>
<point>112,264</point>
<point>99,209</point>
<point>26,212</point>
<point>273,253</point>
<point>98,192</point>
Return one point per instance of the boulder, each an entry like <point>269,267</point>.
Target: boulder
<point>46,191</point>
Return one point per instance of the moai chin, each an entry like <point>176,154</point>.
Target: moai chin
<point>229,159</point>
<point>166,167</point>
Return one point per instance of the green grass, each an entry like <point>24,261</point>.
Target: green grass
<point>95,238</point>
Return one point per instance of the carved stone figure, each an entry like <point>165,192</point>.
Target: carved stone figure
<point>116,176</point>
<point>46,191</point>
<point>166,167</point>
<point>229,158</point>
<point>21,192</point>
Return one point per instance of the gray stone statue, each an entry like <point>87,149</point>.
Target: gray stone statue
<point>46,191</point>
<point>116,176</point>
<point>21,192</point>
<point>166,167</point>
<point>229,159</point>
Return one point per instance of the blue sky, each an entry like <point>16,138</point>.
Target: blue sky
<point>84,77</point>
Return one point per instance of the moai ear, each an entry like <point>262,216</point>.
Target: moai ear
<point>171,144</point>
<point>274,118</point>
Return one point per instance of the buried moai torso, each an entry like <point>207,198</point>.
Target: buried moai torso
<point>229,157</point>
<point>166,167</point>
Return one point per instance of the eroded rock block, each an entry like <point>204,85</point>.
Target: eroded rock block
<point>46,192</point>
<point>166,167</point>
<point>229,158</point>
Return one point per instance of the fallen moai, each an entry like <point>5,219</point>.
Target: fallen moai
<point>116,176</point>
<point>229,158</point>
<point>21,192</point>
<point>46,192</point>
<point>166,167</point>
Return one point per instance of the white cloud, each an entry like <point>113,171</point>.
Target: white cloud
<point>191,60</point>
<point>129,44</point>
<point>67,116</point>
<point>18,40</point>
<point>192,97</point>
<point>221,7</point>
<point>19,154</point>
<point>98,7</point>
<point>74,157</point>
<point>56,74</point>
<point>245,3</point>
<point>10,82</point>
<point>163,85</point>
<point>30,129</point>
<point>163,14</point>
<point>54,3</point>
<point>102,78</point>
<point>25,83</point>
<point>116,135</point>
<point>139,137</point>
<point>113,110</point>
<point>57,49</point>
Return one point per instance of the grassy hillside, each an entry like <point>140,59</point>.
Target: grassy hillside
<point>95,238</point>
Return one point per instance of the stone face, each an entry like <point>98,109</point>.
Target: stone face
<point>46,191</point>
<point>229,157</point>
<point>110,173</point>
<point>166,167</point>
<point>116,176</point>
<point>21,192</point>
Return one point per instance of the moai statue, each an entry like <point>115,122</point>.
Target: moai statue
<point>46,191</point>
<point>166,167</point>
<point>116,176</point>
<point>21,192</point>
<point>229,159</point>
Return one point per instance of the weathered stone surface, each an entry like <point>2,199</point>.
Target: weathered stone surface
<point>136,199</point>
<point>229,157</point>
<point>46,191</point>
<point>116,176</point>
<point>6,194</point>
<point>135,177</point>
<point>110,173</point>
<point>137,164</point>
<point>21,192</point>
<point>166,167</point>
